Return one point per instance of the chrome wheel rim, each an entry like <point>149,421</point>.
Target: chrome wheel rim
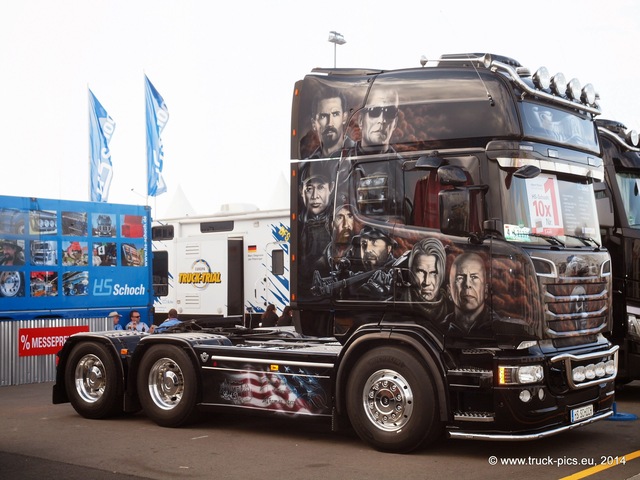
<point>91,378</point>
<point>166,383</point>
<point>388,400</point>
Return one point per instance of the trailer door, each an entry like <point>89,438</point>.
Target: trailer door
<point>235,285</point>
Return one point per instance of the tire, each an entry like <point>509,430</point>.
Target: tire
<point>167,386</point>
<point>93,382</point>
<point>391,401</point>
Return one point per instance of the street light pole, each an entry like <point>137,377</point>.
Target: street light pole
<point>337,39</point>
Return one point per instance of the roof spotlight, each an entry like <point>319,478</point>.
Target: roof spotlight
<point>558,84</point>
<point>574,89</point>
<point>588,94</point>
<point>542,78</point>
<point>633,137</point>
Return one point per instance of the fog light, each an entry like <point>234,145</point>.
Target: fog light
<point>600,369</point>
<point>579,374</point>
<point>610,367</point>
<point>541,394</point>
<point>590,371</point>
<point>525,396</point>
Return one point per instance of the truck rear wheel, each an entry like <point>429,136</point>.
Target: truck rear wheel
<point>167,386</point>
<point>93,382</point>
<point>391,401</point>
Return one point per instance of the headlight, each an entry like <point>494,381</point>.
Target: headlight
<point>520,375</point>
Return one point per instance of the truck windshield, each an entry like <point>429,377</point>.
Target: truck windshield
<point>558,126</point>
<point>629,184</point>
<point>548,209</point>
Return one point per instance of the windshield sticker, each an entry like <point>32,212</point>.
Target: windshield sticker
<point>544,205</point>
<point>517,233</point>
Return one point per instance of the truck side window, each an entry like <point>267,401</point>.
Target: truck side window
<point>426,212</point>
<point>379,189</point>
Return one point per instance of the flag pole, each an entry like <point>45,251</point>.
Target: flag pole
<point>88,137</point>
<point>146,160</point>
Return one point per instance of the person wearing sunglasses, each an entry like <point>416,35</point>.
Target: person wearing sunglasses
<point>135,323</point>
<point>378,121</point>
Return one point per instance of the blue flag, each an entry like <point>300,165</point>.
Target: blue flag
<point>101,128</point>
<point>157,118</point>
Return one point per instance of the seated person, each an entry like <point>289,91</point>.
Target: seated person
<point>171,321</point>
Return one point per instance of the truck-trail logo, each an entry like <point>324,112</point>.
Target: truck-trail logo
<point>200,275</point>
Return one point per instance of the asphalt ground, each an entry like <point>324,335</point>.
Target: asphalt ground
<point>40,440</point>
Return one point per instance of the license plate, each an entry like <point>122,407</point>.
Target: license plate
<point>581,413</point>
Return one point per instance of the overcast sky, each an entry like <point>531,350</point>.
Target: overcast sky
<point>226,71</point>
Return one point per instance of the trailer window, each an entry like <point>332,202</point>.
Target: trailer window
<point>163,232</point>
<point>212,227</point>
<point>277,262</point>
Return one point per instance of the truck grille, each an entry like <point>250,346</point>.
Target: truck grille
<point>576,307</point>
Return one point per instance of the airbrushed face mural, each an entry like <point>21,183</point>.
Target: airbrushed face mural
<point>378,229</point>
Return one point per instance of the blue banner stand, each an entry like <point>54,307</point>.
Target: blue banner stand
<point>621,417</point>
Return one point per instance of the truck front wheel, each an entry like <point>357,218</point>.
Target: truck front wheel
<point>93,382</point>
<point>391,400</point>
<point>167,386</point>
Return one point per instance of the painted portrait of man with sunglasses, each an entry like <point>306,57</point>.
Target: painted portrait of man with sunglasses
<point>377,122</point>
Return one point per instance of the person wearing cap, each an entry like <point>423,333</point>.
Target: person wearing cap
<point>376,248</point>
<point>12,253</point>
<point>115,316</point>
<point>376,255</point>
<point>317,186</point>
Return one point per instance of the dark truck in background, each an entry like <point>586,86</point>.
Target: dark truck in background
<point>618,200</point>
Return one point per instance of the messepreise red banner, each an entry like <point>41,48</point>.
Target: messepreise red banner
<point>45,341</point>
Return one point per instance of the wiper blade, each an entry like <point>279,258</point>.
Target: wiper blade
<point>549,238</point>
<point>585,240</point>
